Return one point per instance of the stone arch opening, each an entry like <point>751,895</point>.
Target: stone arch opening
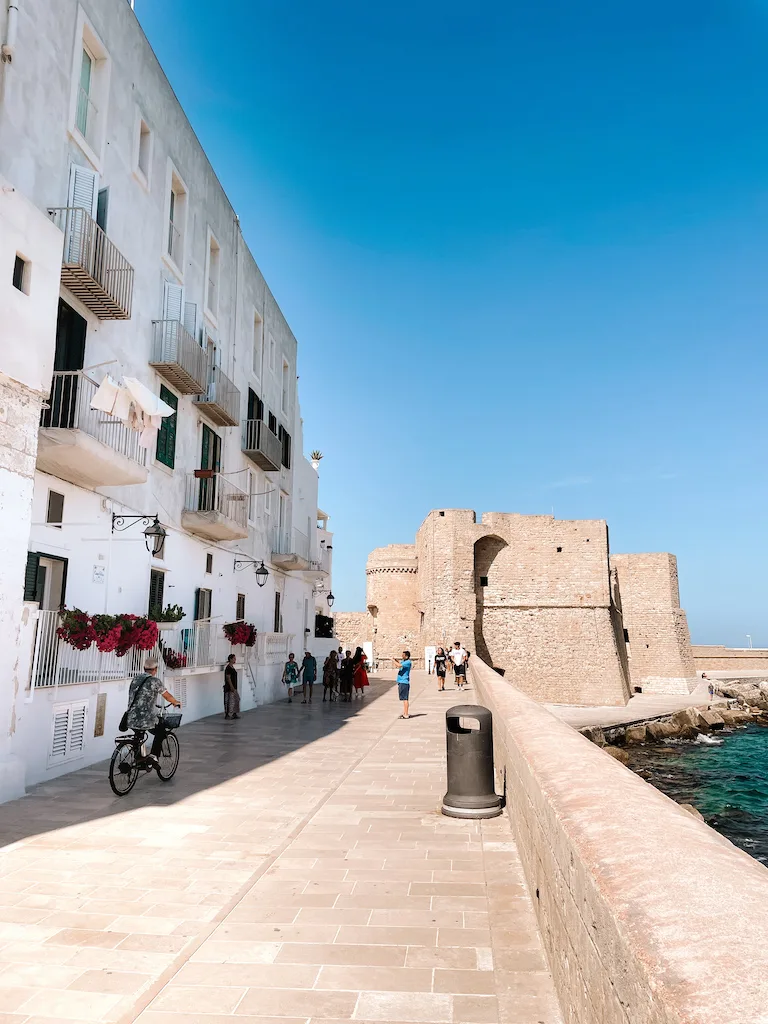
<point>487,550</point>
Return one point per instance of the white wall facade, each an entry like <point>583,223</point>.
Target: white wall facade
<point>27,326</point>
<point>139,147</point>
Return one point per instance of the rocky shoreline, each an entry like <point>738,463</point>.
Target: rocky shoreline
<point>746,703</point>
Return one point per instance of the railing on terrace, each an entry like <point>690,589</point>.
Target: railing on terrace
<point>204,645</point>
<point>214,493</point>
<point>69,408</point>
<point>178,357</point>
<point>56,663</point>
<point>93,268</point>
<point>261,445</point>
<point>221,399</point>
<point>290,542</point>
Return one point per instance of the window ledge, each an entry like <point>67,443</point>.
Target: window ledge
<point>141,178</point>
<point>156,464</point>
<point>211,318</point>
<point>84,145</point>
<point>174,269</point>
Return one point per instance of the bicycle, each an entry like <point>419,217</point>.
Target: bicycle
<point>128,761</point>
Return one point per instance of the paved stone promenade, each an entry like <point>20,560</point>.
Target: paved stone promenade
<point>297,869</point>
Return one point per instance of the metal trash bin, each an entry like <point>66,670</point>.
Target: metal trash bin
<point>471,792</point>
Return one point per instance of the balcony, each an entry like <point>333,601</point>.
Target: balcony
<point>221,400</point>
<point>290,550</point>
<point>93,268</point>
<point>214,507</point>
<point>261,446</point>
<point>85,446</point>
<point>177,357</point>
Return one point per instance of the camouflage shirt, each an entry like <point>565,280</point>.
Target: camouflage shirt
<point>145,710</point>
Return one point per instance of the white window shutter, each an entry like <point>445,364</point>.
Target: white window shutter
<point>173,301</point>
<point>77,722</point>
<point>59,733</point>
<point>83,188</point>
<point>190,317</point>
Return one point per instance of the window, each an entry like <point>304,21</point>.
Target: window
<point>252,499</point>
<point>278,617</point>
<point>285,395</point>
<point>255,406</point>
<point>273,423</point>
<point>483,581</point>
<point>559,550</point>
<point>272,353</point>
<point>177,216</point>
<point>209,563</point>
<point>626,636</point>
<point>202,604</point>
<point>212,286</point>
<point>268,503</point>
<point>240,609</point>
<point>166,435</point>
<point>68,724</point>
<point>285,438</point>
<point>21,274</point>
<point>102,208</point>
<point>258,341</point>
<point>89,85</point>
<point>55,513</point>
<point>156,588</point>
<point>86,111</point>
<point>143,159</point>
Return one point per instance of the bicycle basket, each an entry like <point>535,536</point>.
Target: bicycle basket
<point>171,721</point>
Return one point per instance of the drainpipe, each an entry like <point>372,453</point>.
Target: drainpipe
<point>6,52</point>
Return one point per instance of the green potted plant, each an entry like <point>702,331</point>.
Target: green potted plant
<point>166,618</point>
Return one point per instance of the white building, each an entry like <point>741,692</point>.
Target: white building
<point>156,283</point>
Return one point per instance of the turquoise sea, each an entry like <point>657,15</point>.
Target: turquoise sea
<point>727,782</point>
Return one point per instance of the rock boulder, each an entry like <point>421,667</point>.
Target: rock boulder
<point>619,753</point>
<point>635,735</point>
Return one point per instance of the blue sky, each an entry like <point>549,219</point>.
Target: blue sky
<point>523,249</point>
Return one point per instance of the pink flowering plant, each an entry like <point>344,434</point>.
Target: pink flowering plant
<point>118,633</point>
<point>76,629</point>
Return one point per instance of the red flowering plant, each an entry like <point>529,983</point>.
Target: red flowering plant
<point>240,633</point>
<point>136,631</point>
<point>108,632</point>
<point>174,659</point>
<point>76,629</point>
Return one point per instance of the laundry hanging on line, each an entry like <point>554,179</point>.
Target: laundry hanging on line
<point>138,407</point>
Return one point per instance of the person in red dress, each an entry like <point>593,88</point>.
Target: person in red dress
<point>360,677</point>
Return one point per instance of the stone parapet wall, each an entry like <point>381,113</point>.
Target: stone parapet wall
<point>647,915</point>
<point>724,659</point>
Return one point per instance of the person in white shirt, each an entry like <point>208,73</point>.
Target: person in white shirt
<point>459,659</point>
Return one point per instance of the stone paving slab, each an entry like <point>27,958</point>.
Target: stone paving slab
<point>296,869</point>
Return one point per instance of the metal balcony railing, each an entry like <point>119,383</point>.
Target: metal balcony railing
<point>93,268</point>
<point>214,493</point>
<point>221,400</point>
<point>261,445</point>
<point>291,542</point>
<point>69,408</point>
<point>177,357</point>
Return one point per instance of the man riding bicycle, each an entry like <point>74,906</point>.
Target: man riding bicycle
<point>143,709</point>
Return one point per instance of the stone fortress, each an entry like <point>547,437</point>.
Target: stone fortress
<point>541,600</point>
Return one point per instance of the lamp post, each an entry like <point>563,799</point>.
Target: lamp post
<point>329,600</point>
<point>750,641</point>
<point>153,531</point>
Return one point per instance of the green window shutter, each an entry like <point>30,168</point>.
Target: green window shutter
<point>197,604</point>
<point>166,436</point>
<point>156,587</point>
<point>30,576</point>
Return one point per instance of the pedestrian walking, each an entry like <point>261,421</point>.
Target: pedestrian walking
<point>330,676</point>
<point>231,696</point>
<point>441,665</point>
<point>340,659</point>
<point>290,675</point>
<point>347,675</point>
<point>404,682</point>
<point>360,676</point>
<point>308,675</point>
<point>459,659</point>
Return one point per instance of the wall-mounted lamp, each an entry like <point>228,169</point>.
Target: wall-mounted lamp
<point>153,533</point>
<point>261,572</point>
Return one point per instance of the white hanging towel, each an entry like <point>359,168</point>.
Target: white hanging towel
<point>106,396</point>
<point>147,401</point>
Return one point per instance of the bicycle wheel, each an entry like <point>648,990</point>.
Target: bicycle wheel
<point>168,758</point>
<point>123,770</point>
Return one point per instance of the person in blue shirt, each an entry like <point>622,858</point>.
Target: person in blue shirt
<point>404,681</point>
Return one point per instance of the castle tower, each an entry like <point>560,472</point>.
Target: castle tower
<point>392,591</point>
